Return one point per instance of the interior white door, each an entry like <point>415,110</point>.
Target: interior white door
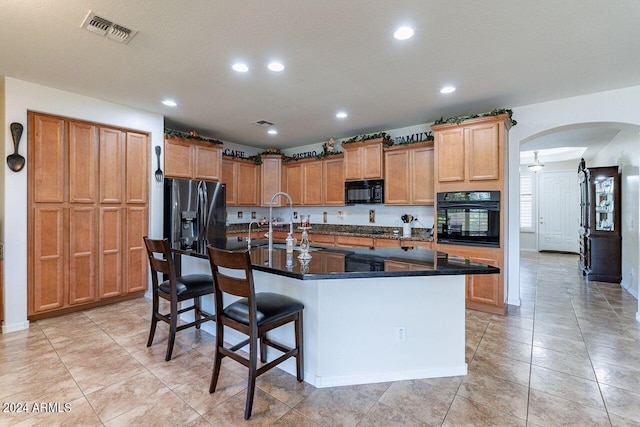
<point>558,211</point>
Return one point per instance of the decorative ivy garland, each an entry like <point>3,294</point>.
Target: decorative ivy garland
<point>187,135</point>
<point>460,119</point>
<point>385,137</point>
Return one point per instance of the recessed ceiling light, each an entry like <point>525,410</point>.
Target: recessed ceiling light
<point>403,33</point>
<point>169,103</point>
<point>447,89</point>
<point>275,66</point>
<point>240,67</point>
<point>341,115</point>
<point>272,132</point>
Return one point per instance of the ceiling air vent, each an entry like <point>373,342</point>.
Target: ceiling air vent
<point>262,123</point>
<point>104,27</point>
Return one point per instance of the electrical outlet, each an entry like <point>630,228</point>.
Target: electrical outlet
<point>372,216</point>
<point>324,217</point>
<point>400,334</point>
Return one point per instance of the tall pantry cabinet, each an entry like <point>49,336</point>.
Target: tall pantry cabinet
<point>88,210</point>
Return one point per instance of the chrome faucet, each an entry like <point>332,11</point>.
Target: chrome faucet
<point>281,193</point>
<point>249,236</point>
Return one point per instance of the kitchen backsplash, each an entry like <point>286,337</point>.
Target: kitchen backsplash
<point>388,216</point>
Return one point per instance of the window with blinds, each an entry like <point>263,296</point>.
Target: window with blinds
<point>526,202</point>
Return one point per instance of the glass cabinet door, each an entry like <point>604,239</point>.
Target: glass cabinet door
<point>604,204</point>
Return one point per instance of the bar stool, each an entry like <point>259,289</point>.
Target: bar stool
<point>253,315</point>
<point>174,290</point>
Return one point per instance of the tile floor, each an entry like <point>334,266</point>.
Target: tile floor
<point>570,355</point>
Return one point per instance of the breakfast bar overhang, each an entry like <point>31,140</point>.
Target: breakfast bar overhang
<point>371,315</point>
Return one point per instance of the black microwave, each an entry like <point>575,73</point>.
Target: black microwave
<point>364,192</point>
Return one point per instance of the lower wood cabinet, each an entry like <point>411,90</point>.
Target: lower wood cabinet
<point>84,234</point>
<point>485,292</point>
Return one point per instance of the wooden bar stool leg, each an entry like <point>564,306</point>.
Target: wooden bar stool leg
<point>154,322</point>
<point>172,329</point>
<point>218,359</point>
<point>251,384</point>
<point>263,349</point>
<point>197,311</point>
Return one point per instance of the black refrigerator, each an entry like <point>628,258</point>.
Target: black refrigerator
<point>194,211</point>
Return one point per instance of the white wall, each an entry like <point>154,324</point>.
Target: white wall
<point>624,151</point>
<point>19,97</point>
<point>617,106</point>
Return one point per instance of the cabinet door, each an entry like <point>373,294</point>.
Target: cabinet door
<point>483,288</point>
<point>333,262</point>
<point>48,259</point>
<point>372,161</point>
<point>110,252</point>
<point>312,183</point>
<point>248,184</point>
<point>47,157</point>
<point>83,163</point>
<point>270,180</point>
<point>396,186</point>
<point>483,152</point>
<point>450,155</point>
<point>111,142</point>
<point>207,163</point>
<point>421,177</point>
<point>136,253</point>
<point>352,163</point>
<point>229,177</point>
<point>333,187</point>
<point>293,184</point>
<point>178,161</point>
<point>82,255</point>
<point>137,168</point>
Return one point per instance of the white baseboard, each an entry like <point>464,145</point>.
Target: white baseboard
<point>7,329</point>
<point>514,301</point>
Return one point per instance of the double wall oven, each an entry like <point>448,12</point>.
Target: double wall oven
<point>469,218</point>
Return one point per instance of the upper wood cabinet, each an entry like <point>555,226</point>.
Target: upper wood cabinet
<point>271,179</point>
<point>315,182</point>
<point>333,181</point>
<point>48,153</point>
<point>470,155</point>
<point>191,159</point>
<point>242,180</point>
<point>111,155</point>
<point>409,174</point>
<point>83,162</point>
<point>363,160</point>
<point>136,177</point>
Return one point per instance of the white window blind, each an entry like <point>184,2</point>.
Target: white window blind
<point>526,202</point>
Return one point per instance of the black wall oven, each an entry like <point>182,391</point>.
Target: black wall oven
<point>469,218</point>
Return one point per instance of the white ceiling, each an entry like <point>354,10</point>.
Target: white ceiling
<point>339,55</point>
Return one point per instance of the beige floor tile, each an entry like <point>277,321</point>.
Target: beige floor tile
<point>336,406</point>
<point>284,387</point>
<point>501,367</point>
<point>621,402</point>
<point>618,376</point>
<point>266,410</point>
<point>182,369</point>
<point>629,357</point>
<point>448,384</point>
<point>502,395</point>
<point>570,332</point>
<point>92,375</point>
<point>546,410</point>
<point>492,345</point>
<point>617,421</point>
<point>510,332</point>
<point>294,418</point>
<point>118,398</point>
<point>382,415</point>
<point>464,412</point>
<point>418,399</point>
<point>567,363</point>
<point>566,386</point>
<point>170,410</point>
<point>196,393</point>
<point>561,344</point>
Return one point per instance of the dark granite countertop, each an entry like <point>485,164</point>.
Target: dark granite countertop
<point>345,263</point>
<point>417,234</point>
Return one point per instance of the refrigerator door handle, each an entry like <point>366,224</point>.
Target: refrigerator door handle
<point>202,210</point>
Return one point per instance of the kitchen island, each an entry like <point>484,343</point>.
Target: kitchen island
<point>371,315</point>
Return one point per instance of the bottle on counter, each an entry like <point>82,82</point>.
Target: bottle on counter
<point>289,243</point>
